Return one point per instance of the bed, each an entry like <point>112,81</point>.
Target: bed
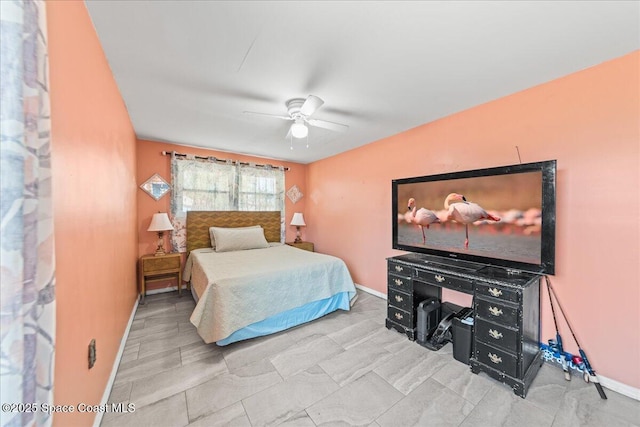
<point>245,290</point>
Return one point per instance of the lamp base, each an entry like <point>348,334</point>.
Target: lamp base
<point>298,239</point>
<point>160,250</point>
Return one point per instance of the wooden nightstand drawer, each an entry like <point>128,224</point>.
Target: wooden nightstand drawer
<point>307,246</point>
<point>155,268</point>
<point>160,263</point>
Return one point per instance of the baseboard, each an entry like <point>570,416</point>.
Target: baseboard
<point>608,383</point>
<point>371,291</point>
<point>618,387</point>
<point>162,290</point>
<point>577,372</point>
<point>114,370</point>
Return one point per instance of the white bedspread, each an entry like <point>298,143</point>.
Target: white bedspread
<point>236,289</point>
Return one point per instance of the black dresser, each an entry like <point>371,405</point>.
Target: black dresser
<point>506,311</point>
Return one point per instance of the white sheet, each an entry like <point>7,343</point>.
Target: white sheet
<point>236,289</point>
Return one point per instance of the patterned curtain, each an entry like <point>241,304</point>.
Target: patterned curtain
<point>210,185</point>
<point>27,264</point>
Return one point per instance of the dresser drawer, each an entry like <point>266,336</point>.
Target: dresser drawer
<point>496,335</point>
<point>498,292</point>
<point>496,359</point>
<point>445,280</point>
<point>401,300</point>
<point>399,269</point>
<point>400,283</point>
<point>160,263</point>
<point>400,316</point>
<point>496,311</point>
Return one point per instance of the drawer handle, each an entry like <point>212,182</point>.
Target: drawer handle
<point>495,358</point>
<point>495,311</point>
<point>398,268</point>
<point>399,316</point>
<point>495,292</point>
<point>439,278</point>
<point>495,334</point>
<point>399,282</point>
<point>399,298</point>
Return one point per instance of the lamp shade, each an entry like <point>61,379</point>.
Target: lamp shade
<point>160,222</point>
<point>298,219</point>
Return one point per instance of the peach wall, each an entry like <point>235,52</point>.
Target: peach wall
<point>94,189</point>
<point>151,161</point>
<point>589,122</point>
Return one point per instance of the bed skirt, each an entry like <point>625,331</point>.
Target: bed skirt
<point>288,319</point>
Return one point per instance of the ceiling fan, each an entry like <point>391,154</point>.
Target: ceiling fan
<point>300,111</point>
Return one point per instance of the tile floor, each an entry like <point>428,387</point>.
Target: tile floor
<point>343,369</point>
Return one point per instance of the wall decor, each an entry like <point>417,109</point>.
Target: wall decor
<point>156,187</point>
<point>294,194</point>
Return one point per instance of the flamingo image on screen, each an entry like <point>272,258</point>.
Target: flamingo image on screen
<point>421,217</point>
<point>465,212</point>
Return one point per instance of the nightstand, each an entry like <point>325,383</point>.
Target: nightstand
<point>307,246</point>
<point>155,268</point>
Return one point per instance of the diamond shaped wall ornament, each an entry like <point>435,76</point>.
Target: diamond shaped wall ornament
<point>294,194</point>
<point>156,187</point>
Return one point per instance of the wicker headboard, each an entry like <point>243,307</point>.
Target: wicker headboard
<point>198,223</point>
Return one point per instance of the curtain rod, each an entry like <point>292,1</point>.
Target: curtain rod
<point>168,153</point>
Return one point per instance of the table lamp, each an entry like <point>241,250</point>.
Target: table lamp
<point>160,223</point>
<point>298,221</point>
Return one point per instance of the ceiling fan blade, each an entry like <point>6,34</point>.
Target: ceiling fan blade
<point>274,116</point>
<point>311,104</point>
<point>336,127</point>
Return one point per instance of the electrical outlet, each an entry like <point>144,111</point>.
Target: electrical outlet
<point>92,353</point>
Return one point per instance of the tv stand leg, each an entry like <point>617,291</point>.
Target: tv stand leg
<point>518,390</point>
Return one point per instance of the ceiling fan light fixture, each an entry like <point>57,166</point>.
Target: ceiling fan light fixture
<point>299,130</point>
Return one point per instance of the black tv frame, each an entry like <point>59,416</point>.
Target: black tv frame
<point>548,238</point>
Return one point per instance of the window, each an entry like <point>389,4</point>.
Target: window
<point>205,186</point>
<point>209,185</point>
<point>258,189</point>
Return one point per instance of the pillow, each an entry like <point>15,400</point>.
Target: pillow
<point>213,239</point>
<point>237,239</point>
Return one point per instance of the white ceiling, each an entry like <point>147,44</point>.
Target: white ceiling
<point>188,69</point>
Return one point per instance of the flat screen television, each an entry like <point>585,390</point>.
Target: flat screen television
<point>502,216</point>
